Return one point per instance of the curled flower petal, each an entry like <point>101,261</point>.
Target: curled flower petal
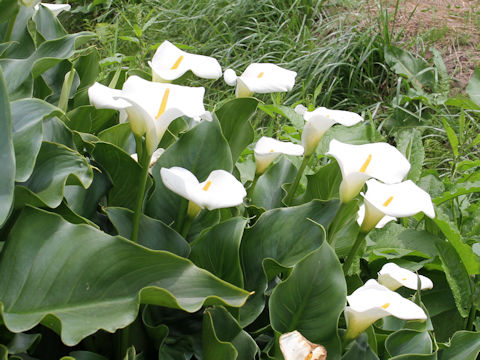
<point>399,200</point>
<point>262,79</point>
<point>103,97</point>
<point>169,63</point>
<point>319,121</point>
<point>373,301</point>
<point>359,163</point>
<point>267,149</point>
<point>54,8</point>
<point>295,346</point>
<point>230,77</point>
<point>220,190</point>
<point>383,221</point>
<point>393,276</point>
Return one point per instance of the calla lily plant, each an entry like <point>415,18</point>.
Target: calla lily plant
<point>169,63</point>
<point>295,346</point>
<point>268,149</point>
<point>398,200</point>
<point>372,302</point>
<point>358,163</point>
<point>54,8</point>
<point>393,276</point>
<point>260,78</point>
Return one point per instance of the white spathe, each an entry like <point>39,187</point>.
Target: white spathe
<point>261,78</point>
<point>169,63</point>
<point>383,221</point>
<point>372,302</point>
<point>359,163</point>
<point>103,97</point>
<point>220,190</point>
<point>319,121</point>
<point>295,346</point>
<point>54,8</point>
<point>398,200</point>
<point>153,106</point>
<point>268,149</point>
<point>393,276</point>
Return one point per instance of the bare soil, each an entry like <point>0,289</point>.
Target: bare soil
<point>451,26</point>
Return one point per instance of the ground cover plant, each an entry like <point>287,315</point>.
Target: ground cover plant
<point>184,202</point>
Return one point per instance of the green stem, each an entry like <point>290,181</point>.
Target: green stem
<point>294,186</point>
<point>144,163</point>
<point>186,226</point>
<point>471,318</point>
<point>353,252</point>
<point>181,215</point>
<point>252,186</point>
<point>334,223</point>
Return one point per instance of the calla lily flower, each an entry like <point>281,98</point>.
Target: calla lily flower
<point>372,302</point>
<point>54,8</point>
<point>268,149</point>
<point>260,78</point>
<point>359,163</point>
<point>220,190</point>
<point>383,221</point>
<point>393,276</point>
<point>155,156</point>
<point>153,106</point>
<point>295,347</point>
<point>169,63</point>
<point>399,200</point>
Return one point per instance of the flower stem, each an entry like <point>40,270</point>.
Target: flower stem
<point>353,252</point>
<point>252,186</point>
<point>294,186</point>
<point>332,228</point>
<point>144,163</point>
<point>182,211</point>
<point>471,318</point>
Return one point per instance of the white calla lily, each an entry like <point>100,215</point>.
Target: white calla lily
<point>155,156</point>
<point>359,163</point>
<point>393,276</point>
<point>153,106</point>
<point>399,200</point>
<point>103,97</point>
<point>295,346</point>
<point>220,190</point>
<point>261,78</point>
<point>383,221</point>
<point>54,8</point>
<point>372,302</point>
<point>169,63</point>
<point>319,121</point>
<point>268,149</point>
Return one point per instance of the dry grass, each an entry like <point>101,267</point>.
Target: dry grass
<point>453,27</point>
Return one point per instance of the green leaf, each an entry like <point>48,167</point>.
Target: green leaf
<point>268,192</point>
<point>415,70</point>
<point>27,115</point>
<point>452,137</point>
<point>343,231</point>
<point>76,279</point>
<point>47,24</point>
<point>55,130</point>
<point>360,350</point>
<point>234,118</point>
<point>469,259</point>
<point>48,54</point>
<point>311,299</point>
<point>9,7</point>
<point>55,165</point>
<point>152,233</point>
<point>271,239</point>
<point>458,190</point>
<point>200,150</point>
<point>124,173</point>
<point>217,250</point>
<point>22,44</point>
<point>86,355</point>
<point>457,276</point>
<point>88,68</point>
<point>223,338</point>
<point>464,345</point>
<point>323,184</point>
<point>409,143</point>
<point>22,342</point>
<point>296,119</point>
<point>473,87</point>
<point>120,135</point>
<point>7,155</point>
<point>408,342</point>
<point>415,357</point>
<point>3,352</point>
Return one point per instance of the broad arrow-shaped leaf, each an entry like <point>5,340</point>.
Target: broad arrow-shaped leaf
<point>76,279</point>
